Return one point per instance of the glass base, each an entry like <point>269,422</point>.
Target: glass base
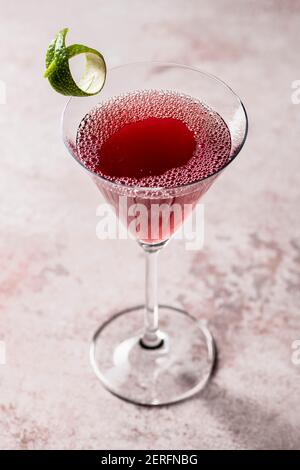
<point>178,369</point>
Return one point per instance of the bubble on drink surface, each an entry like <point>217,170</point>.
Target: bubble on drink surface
<point>212,136</point>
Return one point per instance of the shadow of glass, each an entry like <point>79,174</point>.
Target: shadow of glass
<point>248,423</point>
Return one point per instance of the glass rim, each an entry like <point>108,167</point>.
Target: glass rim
<point>152,189</point>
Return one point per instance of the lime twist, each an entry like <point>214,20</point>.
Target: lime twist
<point>58,70</point>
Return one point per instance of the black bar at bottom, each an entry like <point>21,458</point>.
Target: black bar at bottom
<point>136,458</point>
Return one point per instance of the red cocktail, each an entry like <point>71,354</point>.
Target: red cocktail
<point>154,139</point>
<point>156,136</point>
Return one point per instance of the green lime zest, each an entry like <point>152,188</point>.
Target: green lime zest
<point>58,70</point>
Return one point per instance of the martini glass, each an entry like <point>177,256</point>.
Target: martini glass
<point>170,355</point>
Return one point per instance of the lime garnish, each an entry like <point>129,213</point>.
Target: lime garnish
<point>59,74</point>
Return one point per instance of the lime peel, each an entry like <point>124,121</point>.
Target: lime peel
<point>59,74</point>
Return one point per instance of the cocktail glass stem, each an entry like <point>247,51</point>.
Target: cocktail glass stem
<point>151,338</point>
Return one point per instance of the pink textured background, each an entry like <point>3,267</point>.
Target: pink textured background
<point>58,282</point>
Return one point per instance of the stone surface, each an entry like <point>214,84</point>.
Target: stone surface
<point>58,281</point>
